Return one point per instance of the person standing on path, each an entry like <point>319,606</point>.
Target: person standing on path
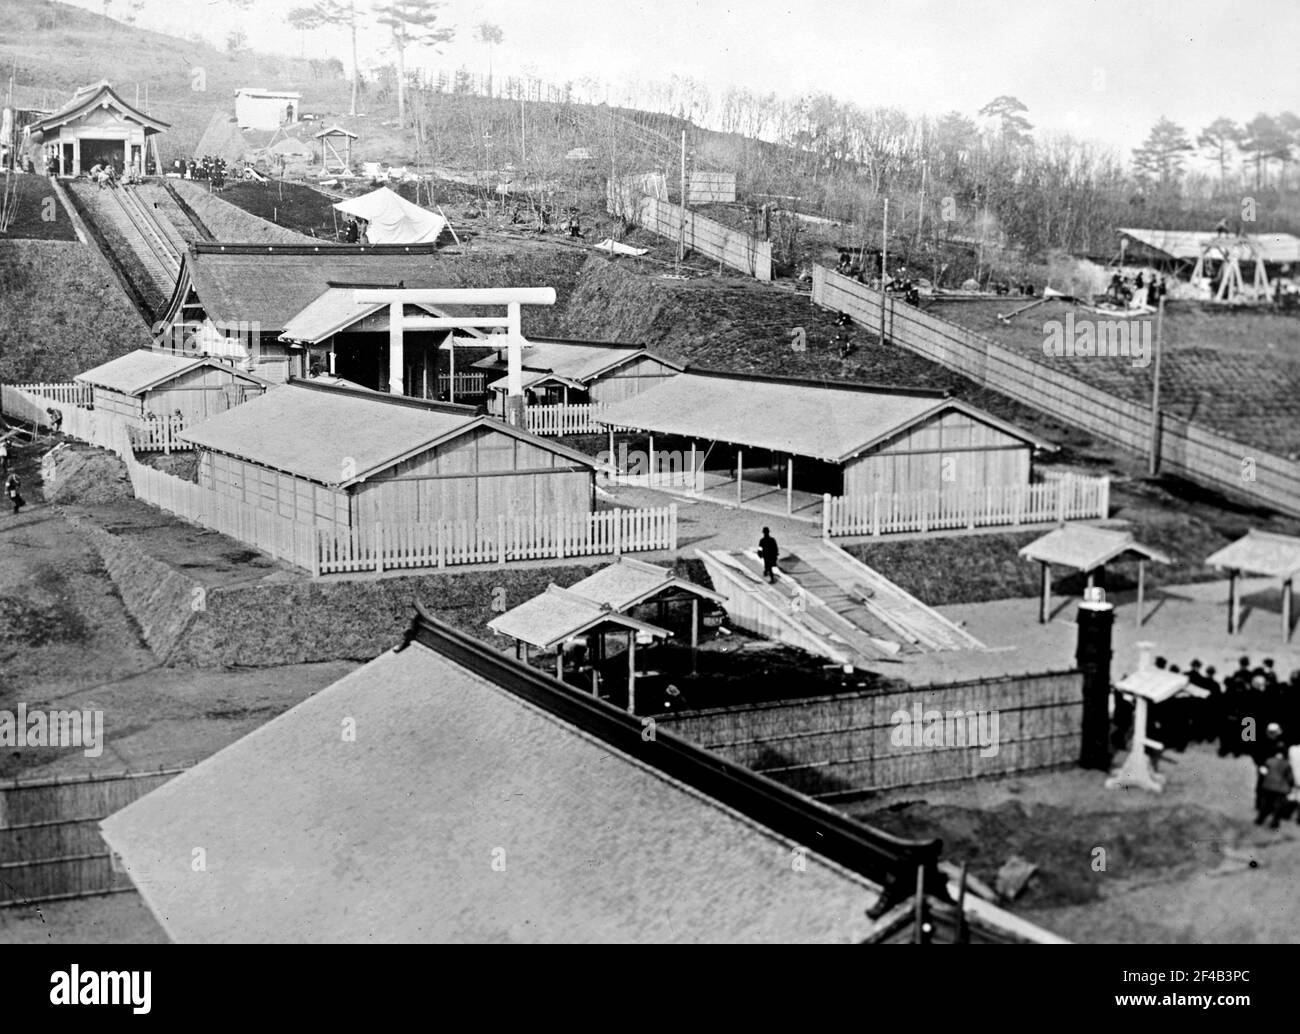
<point>11,490</point>
<point>4,455</point>
<point>768,550</point>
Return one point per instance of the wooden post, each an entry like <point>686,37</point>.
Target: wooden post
<point>559,662</point>
<point>1141,589</point>
<point>396,361</point>
<point>695,632</point>
<point>789,485</point>
<point>631,671</point>
<point>695,477</point>
<point>681,227</point>
<point>1046,603</point>
<point>1091,578</point>
<point>1286,611</point>
<point>884,264</point>
<point>613,460</point>
<point>1232,602</point>
<point>740,475</point>
<point>1153,466</point>
<point>672,527</point>
<point>917,934</point>
<point>650,474</point>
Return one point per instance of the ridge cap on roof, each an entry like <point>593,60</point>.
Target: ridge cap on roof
<point>324,248</point>
<point>370,395</point>
<point>811,382</point>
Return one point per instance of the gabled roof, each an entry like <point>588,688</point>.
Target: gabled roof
<point>87,99</point>
<point>144,369</point>
<point>1260,552</point>
<point>1188,244</point>
<point>1086,548</point>
<point>558,614</point>
<point>830,421</point>
<point>599,832</point>
<point>578,362</point>
<point>334,312</point>
<point>335,130</point>
<point>627,582</point>
<point>339,437</point>
<point>271,283</point>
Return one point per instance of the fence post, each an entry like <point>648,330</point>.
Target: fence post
<point>971,494</point>
<point>1104,506</point>
<point>501,539</point>
<point>379,547</point>
<point>672,526</point>
<point>826,516</point>
<point>1060,498</point>
<point>618,524</point>
<point>875,514</point>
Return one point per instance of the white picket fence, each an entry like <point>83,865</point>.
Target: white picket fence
<point>378,547</point>
<point>97,427</point>
<point>395,546</point>
<point>71,392</point>
<point>573,419</point>
<point>1060,498</point>
<point>162,435</point>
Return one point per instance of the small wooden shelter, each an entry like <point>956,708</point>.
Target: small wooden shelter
<point>848,439</point>
<point>164,384</point>
<point>1082,547</point>
<point>567,372</point>
<point>645,590</point>
<point>1262,553</point>
<point>331,139</point>
<point>560,617</point>
<point>345,459</point>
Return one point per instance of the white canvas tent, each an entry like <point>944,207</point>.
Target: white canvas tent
<point>392,219</point>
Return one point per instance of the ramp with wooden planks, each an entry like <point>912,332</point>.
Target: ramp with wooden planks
<point>828,603</point>
<point>860,593</point>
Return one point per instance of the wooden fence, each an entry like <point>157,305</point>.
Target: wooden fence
<point>50,846</point>
<point>466,383</point>
<point>72,392</point>
<point>395,546</point>
<point>158,435</point>
<point>852,743</point>
<point>572,419</point>
<point>378,547</point>
<point>1184,449</point>
<point>733,248</point>
<point>1066,498</point>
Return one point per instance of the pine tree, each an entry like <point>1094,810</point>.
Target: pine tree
<point>413,23</point>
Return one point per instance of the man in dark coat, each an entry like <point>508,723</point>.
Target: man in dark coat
<point>1276,780</point>
<point>767,549</point>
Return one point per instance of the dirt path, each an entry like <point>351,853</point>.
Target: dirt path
<point>67,641</point>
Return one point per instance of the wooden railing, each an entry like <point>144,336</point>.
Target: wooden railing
<point>393,546</point>
<point>574,419</point>
<point>72,392</point>
<point>685,480</point>
<point>466,383</point>
<point>1065,498</point>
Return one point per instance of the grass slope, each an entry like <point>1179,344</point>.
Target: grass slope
<point>63,312</point>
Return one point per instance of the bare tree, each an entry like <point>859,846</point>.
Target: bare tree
<point>305,20</point>
<point>413,23</point>
<point>490,35</point>
<point>343,13</point>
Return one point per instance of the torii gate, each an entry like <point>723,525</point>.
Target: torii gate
<point>511,297</point>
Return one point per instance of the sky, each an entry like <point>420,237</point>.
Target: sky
<point>1102,70</point>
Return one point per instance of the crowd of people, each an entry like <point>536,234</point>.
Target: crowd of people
<point>1134,291</point>
<point>1253,712</point>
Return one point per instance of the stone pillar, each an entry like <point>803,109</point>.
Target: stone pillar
<point>1092,656</point>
